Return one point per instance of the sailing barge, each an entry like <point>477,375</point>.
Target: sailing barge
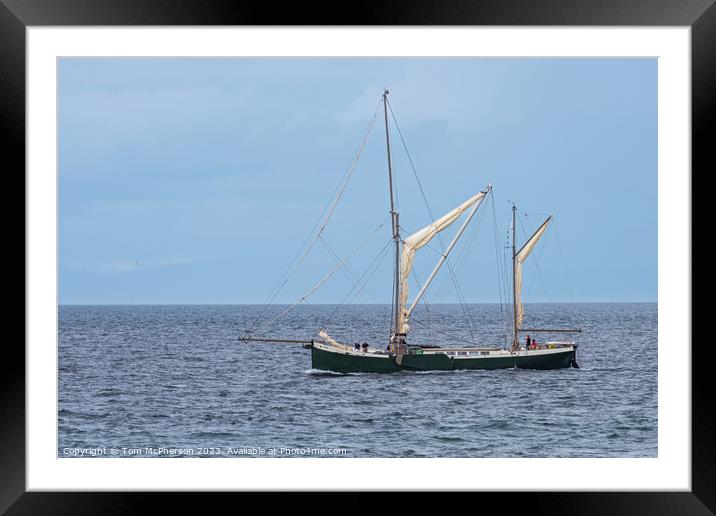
<point>330,355</point>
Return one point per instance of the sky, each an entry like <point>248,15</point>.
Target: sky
<point>199,180</point>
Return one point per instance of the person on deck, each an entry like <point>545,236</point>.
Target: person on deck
<point>365,347</point>
<point>528,341</point>
<point>534,344</point>
<point>356,346</point>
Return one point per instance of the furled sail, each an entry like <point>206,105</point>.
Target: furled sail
<point>520,257</point>
<point>420,239</point>
<point>329,340</point>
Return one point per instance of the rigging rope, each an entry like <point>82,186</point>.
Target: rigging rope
<point>323,280</point>
<point>330,206</point>
<point>561,256</point>
<point>348,271</point>
<point>500,272</point>
<point>507,264</point>
<point>452,336</point>
<point>375,265</point>
<point>464,250</point>
<point>564,265</point>
<point>424,299</point>
<point>536,261</point>
<point>432,217</point>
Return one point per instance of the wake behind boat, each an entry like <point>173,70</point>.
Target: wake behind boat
<point>329,354</point>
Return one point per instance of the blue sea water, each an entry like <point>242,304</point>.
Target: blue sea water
<point>158,381</point>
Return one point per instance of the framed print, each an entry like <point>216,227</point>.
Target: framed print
<point>173,156</point>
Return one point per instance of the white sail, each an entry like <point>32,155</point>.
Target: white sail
<point>329,340</point>
<point>418,240</point>
<point>520,257</point>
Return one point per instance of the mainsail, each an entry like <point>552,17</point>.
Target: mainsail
<point>418,240</point>
<point>520,257</point>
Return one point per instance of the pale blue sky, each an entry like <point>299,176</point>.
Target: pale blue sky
<point>197,180</point>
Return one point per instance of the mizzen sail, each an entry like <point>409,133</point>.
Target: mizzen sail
<point>520,257</point>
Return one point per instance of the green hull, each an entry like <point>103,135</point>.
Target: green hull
<point>349,363</point>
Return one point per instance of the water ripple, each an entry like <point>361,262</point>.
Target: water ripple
<point>175,376</point>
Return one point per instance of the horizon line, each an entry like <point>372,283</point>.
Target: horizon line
<point>354,304</point>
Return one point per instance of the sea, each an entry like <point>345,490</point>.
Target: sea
<point>175,381</point>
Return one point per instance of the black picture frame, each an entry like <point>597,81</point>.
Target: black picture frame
<point>700,15</point>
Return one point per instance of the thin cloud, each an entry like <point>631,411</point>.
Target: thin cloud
<point>125,266</point>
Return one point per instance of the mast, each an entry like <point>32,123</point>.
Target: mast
<point>396,226</point>
<point>515,343</point>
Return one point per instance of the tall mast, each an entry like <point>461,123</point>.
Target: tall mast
<point>514,284</point>
<point>396,226</point>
